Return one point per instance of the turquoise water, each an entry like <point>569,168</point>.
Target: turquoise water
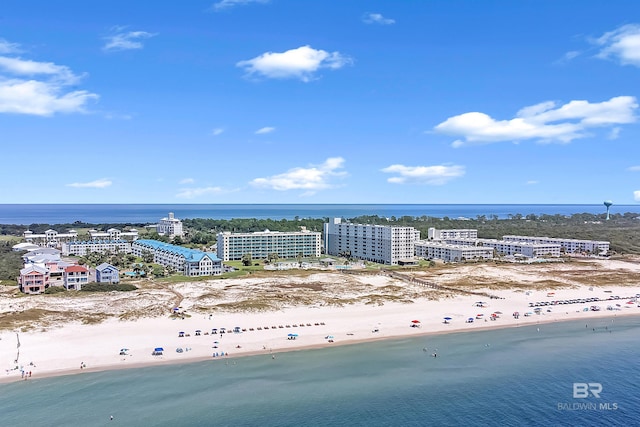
<point>514,376</point>
<point>150,213</point>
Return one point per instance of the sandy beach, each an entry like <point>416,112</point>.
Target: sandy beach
<point>315,310</point>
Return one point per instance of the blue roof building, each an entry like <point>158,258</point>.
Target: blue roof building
<point>190,262</point>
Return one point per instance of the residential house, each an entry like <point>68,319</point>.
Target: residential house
<point>75,276</point>
<point>107,273</point>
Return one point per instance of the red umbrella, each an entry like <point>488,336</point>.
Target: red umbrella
<point>415,321</point>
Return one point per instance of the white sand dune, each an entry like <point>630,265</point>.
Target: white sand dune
<point>62,349</point>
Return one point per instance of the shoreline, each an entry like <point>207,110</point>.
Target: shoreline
<point>241,353</point>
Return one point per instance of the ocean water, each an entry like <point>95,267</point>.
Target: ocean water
<point>27,214</point>
<point>509,377</point>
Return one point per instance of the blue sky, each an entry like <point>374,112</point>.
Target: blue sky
<point>317,101</point>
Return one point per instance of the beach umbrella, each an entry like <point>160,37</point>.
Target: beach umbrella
<point>158,349</point>
<point>447,318</point>
<point>415,321</point>
<point>292,335</point>
<point>497,312</point>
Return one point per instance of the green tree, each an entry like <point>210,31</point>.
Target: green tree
<point>247,259</point>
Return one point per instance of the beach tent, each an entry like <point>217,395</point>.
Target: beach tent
<point>180,334</point>
<point>157,351</point>
<point>470,320</point>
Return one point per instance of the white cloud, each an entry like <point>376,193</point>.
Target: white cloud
<point>126,40</point>
<point>227,4</point>
<point>615,133</point>
<point>376,18</point>
<point>568,56</point>
<point>545,122</point>
<point>636,195</point>
<point>431,175</point>
<point>217,131</point>
<point>300,63</point>
<point>621,44</point>
<point>532,182</point>
<point>264,130</point>
<point>191,193</point>
<point>39,88</point>
<point>187,181</point>
<point>634,168</point>
<point>8,47</point>
<point>98,183</point>
<point>312,178</point>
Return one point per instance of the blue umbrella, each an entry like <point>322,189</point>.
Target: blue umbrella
<point>447,318</point>
<point>158,349</point>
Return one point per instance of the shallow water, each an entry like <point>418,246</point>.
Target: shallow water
<point>515,376</point>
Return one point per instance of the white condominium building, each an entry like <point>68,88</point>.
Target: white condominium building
<point>377,243</point>
<point>429,249</point>
<point>567,245</point>
<point>114,234</point>
<point>50,238</point>
<point>509,247</point>
<point>170,226</point>
<point>434,234</point>
<point>82,248</point>
<point>232,246</point>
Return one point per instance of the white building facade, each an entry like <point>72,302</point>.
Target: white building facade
<point>567,245</point>
<point>428,249</point>
<point>170,226</point>
<point>377,243</point>
<point>232,246</point>
<point>434,234</point>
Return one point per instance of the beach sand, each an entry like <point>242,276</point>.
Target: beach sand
<point>346,309</point>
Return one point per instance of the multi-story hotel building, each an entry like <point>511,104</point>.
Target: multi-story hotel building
<point>567,245</point>
<point>170,226</point>
<point>377,243</point>
<point>429,249</point>
<point>189,262</point>
<point>434,234</point>
<point>289,244</point>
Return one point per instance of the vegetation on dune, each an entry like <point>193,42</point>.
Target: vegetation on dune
<point>108,287</point>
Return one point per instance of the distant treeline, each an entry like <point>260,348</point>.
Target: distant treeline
<point>621,230</point>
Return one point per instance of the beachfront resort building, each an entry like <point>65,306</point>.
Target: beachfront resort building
<point>569,246</point>
<point>107,273</point>
<point>526,246</point>
<point>50,238</point>
<point>170,226</point>
<point>430,250</point>
<point>288,245</point>
<point>383,244</point>
<point>511,247</point>
<point>190,262</point>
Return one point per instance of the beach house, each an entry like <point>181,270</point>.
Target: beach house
<point>33,279</point>
<point>75,276</point>
<point>107,273</point>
